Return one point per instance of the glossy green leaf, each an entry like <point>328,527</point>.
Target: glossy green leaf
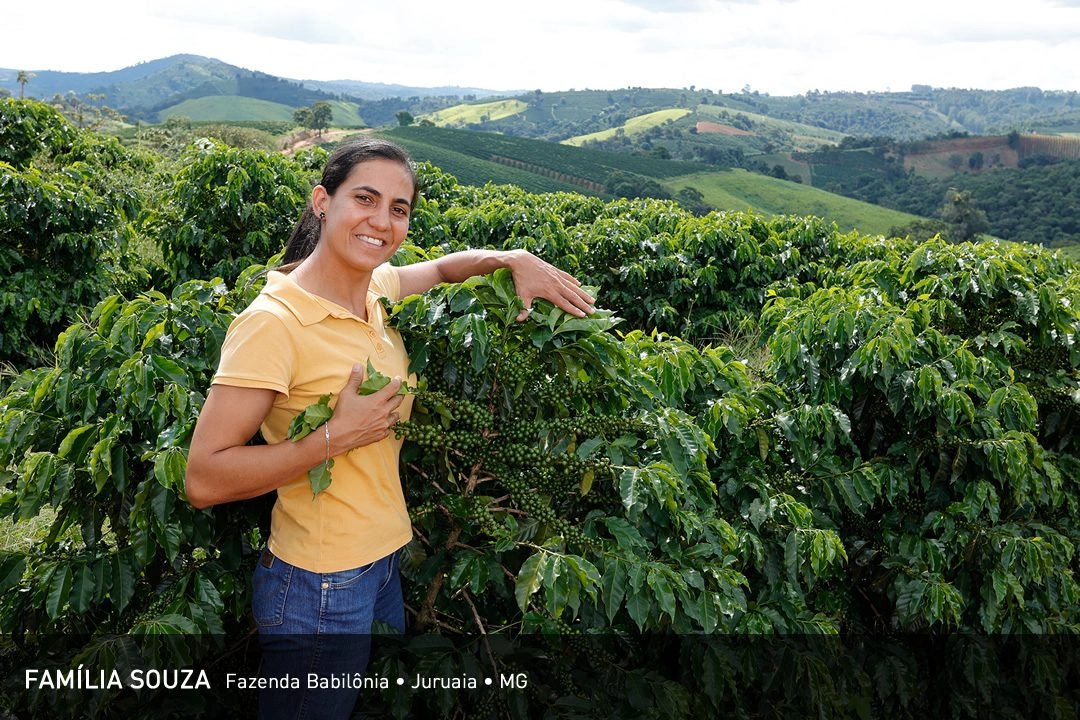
<point>529,578</point>
<point>614,587</point>
<point>170,467</point>
<point>83,588</point>
<point>373,382</point>
<point>12,567</point>
<point>59,591</point>
<point>124,577</point>
<point>319,476</point>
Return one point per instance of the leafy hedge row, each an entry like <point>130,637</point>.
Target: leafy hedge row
<point>783,468</point>
<point>64,220</point>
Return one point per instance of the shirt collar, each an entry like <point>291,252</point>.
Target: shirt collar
<point>308,308</point>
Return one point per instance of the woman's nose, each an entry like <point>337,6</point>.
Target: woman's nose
<point>380,218</point>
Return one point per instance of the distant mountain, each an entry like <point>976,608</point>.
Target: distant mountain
<point>892,150</point>
<point>683,123</point>
<point>383,91</point>
<point>141,91</point>
<point>47,83</point>
<point>144,90</point>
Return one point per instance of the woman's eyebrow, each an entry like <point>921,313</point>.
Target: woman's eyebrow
<point>372,191</point>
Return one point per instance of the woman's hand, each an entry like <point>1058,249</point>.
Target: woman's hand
<point>536,278</point>
<point>533,277</point>
<point>360,420</point>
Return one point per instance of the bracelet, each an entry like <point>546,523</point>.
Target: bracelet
<point>326,430</point>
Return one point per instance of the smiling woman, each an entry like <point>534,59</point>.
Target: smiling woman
<point>329,571</point>
<point>362,225</point>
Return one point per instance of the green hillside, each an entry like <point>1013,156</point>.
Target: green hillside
<point>470,156</point>
<point>635,125</point>
<point>801,135</point>
<point>580,164</point>
<point>467,114</point>
<point>228,107</point>
<point>740,190</point>
<point>346,114</point>
<point>470,170</point>
<point>233,108</point>
<point>142,91</point>
<point>898,150</point>
<point>551,113</point>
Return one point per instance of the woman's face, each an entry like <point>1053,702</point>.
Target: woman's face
<point>368,217</point>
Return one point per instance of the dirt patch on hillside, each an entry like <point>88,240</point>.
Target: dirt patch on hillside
<point>946,157</point>
<point>307,138</point>
<point>717,128</point>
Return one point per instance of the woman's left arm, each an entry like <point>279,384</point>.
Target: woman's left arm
<point>533,277</point>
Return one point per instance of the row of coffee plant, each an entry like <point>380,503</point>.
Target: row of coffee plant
<point>780,470</point>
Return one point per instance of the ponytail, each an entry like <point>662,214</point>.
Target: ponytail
<point>304,237</point>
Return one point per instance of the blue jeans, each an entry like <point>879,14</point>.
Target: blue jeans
<point>315,632</point>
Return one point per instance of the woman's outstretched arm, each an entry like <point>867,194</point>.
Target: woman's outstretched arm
<point>533,277</point>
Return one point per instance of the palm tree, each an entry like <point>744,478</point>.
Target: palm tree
<point>22,78</point>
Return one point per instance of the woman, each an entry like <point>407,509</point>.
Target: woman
<point>330,566</point>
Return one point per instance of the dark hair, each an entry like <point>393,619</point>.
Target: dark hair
<point>305,234</point>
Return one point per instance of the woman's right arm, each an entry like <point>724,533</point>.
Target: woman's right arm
<point>222,467</point>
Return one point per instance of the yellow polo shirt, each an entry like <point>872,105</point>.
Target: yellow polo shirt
<point>303,346</point>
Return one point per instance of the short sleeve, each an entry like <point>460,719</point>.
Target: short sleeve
<point>257,353</point>
<point>386,283</point>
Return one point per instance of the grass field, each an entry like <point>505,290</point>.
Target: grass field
<point>18,536</point>
<point>741,190</point>
<point>346,114</point>
<point>945,158</point>
<point>791,166</point>
<point>226,108</point>
<point>1071,251</point>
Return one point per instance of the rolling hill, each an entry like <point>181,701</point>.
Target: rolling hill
<point>467,114</point>
<point>682,139</point>
<point>152,91</point>
<point>634,126</point>
<point>477,158</point>
<point>232,108</point>
<point>145,91</point>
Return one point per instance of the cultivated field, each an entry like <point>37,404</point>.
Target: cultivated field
<point>462,115</point>
<point>633,126</point>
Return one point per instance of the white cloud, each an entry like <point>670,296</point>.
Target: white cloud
<point>776,46</point>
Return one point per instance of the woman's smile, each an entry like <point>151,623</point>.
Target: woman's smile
<point>371,240</point>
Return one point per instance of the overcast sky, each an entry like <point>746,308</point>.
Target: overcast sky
<point>779,47</point>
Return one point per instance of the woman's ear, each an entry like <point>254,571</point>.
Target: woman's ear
<point>319,199</point>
